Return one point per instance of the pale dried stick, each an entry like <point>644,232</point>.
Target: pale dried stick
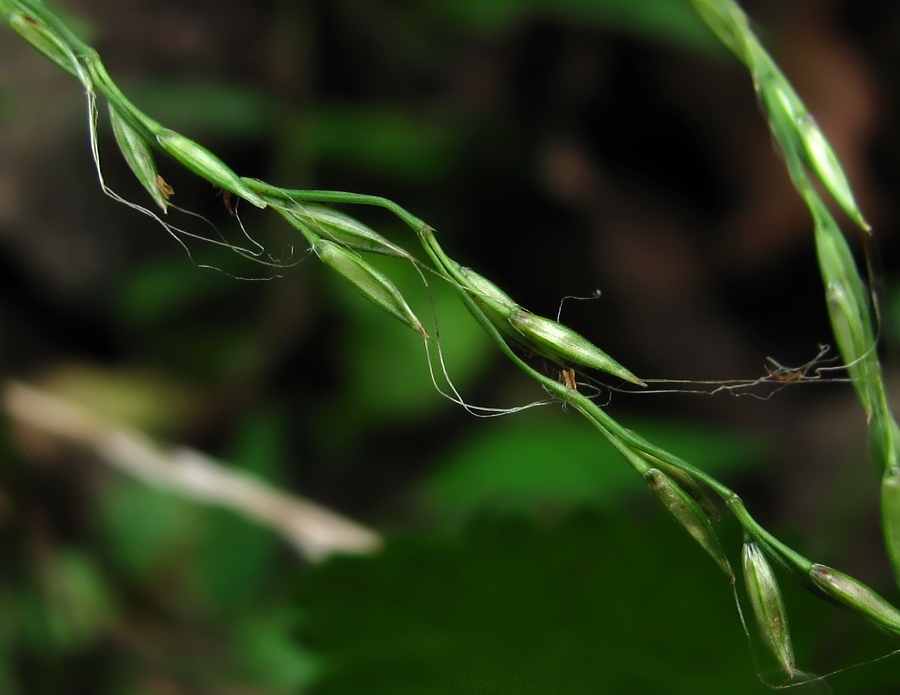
<point>314,531</point>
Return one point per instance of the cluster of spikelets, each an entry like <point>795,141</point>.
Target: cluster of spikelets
<point>341,241</point>
<point>809,156</point>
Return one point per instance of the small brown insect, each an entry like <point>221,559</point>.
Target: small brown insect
<point>568,377</point>
<point>164,187</point>
<point>227,198</point>
<point>784,377</point>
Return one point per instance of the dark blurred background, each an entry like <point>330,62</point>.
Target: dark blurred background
<point>558,148</point>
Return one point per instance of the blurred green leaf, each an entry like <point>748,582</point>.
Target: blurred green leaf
<point>526,463</point>
<point>147,530</point>
<point>535,461</point>
<point>236,561</point>
<point>64,611</point>
<point>32,617</point>
<point>591,605</point>
<point>269,652</point>
<point>78,601</point>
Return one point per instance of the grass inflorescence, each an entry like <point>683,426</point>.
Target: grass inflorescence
<point>342,242</point>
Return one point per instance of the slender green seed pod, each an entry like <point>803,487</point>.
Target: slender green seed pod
<point>836,261</point>
<point>855,345</point>
<point>207,165</point>
<point>766,75</point>
<point>44,40</point>
<point>338,227</point>
<point>847,322</point>
<point>890,517</point>
<point>496,305</point>
<point>855,596</point>
<point>302,227</point>
<point>687,512</point>
<point>139,156</point>
<point>369,282</point>
<point>821,159</point>
<point>817,152</point>
<point>687,483</point>
<point>487,295</point>
<point>768,606</point>
<point>560,343</point>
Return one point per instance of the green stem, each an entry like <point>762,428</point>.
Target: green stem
<point>310,196</point>
<point>104,83</point>
<point>785,555</point>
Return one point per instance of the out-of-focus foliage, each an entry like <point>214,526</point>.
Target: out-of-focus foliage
<point>511,605</point>
<point>515,606</point>
<point>506,465</point>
